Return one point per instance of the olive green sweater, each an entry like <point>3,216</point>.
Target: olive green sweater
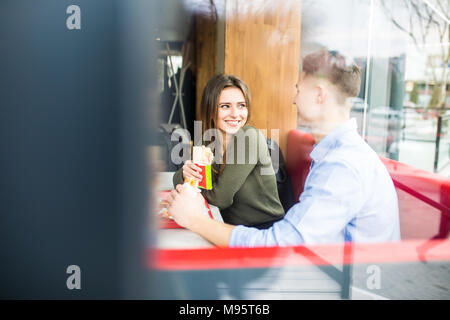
<point>246,191</point>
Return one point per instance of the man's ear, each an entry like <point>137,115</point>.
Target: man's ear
<point>322,94</point>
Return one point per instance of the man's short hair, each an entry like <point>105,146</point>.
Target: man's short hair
<point>339,70</point>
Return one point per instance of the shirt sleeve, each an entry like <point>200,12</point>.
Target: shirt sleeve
<point>332,196</point>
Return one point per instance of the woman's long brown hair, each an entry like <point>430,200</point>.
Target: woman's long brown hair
<point>209,105</point>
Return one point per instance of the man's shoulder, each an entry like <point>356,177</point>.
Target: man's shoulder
<point>354,157</point>
<point>336,164</point>
<point>353,150</point>
<point>359,158</point>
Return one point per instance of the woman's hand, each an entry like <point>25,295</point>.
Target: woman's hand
<point>190,170</point>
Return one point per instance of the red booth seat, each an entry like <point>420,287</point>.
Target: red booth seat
<point>299,146</point>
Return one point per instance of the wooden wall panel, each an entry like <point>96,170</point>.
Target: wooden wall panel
<point>206,52</point>
<point>262,47</point>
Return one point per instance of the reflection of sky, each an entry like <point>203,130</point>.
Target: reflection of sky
<point>337,25</point>
<point>344,25</point>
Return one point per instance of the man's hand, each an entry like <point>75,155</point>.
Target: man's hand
<point>185,208</point>
<point>187,212</point>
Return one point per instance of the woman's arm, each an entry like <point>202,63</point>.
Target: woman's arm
<point>247,145</point>
<point>226,186</point>
<point>178,177</point>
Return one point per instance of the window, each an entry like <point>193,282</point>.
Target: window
<point>402,47</point>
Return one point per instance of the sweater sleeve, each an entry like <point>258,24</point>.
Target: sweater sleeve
<point>244,160</point>
<point>178,178</point>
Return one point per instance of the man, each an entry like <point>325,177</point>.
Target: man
<point>348,194</point>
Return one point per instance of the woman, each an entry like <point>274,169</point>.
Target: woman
<point>244,190</point>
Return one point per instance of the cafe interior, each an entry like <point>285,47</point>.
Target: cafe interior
<point>100,117</point>
<point>263,43</point>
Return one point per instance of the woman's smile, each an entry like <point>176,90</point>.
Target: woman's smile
<point>233,123</point>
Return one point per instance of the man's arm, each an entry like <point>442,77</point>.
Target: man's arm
<point>216,232</point>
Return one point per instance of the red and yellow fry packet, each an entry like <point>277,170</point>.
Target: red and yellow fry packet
<point>203,158</point>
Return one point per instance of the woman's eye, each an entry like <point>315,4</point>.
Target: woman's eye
<point>242,105</point>
<point>224,106</point>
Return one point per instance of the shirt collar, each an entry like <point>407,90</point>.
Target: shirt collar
<point>329,142</point>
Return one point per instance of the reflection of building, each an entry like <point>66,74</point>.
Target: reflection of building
<point>386,104</point>
<point>385,95</point>
<point>425,91</point>
<point>426,82</point>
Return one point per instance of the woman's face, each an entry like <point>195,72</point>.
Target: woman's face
<point>233,112</point>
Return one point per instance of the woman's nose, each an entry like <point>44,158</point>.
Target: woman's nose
<point>234,111</point>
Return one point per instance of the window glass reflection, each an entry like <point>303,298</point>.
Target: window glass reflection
<point>408,83</point>
<point>402,48</point>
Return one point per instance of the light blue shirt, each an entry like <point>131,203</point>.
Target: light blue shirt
<point>348,196</point>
